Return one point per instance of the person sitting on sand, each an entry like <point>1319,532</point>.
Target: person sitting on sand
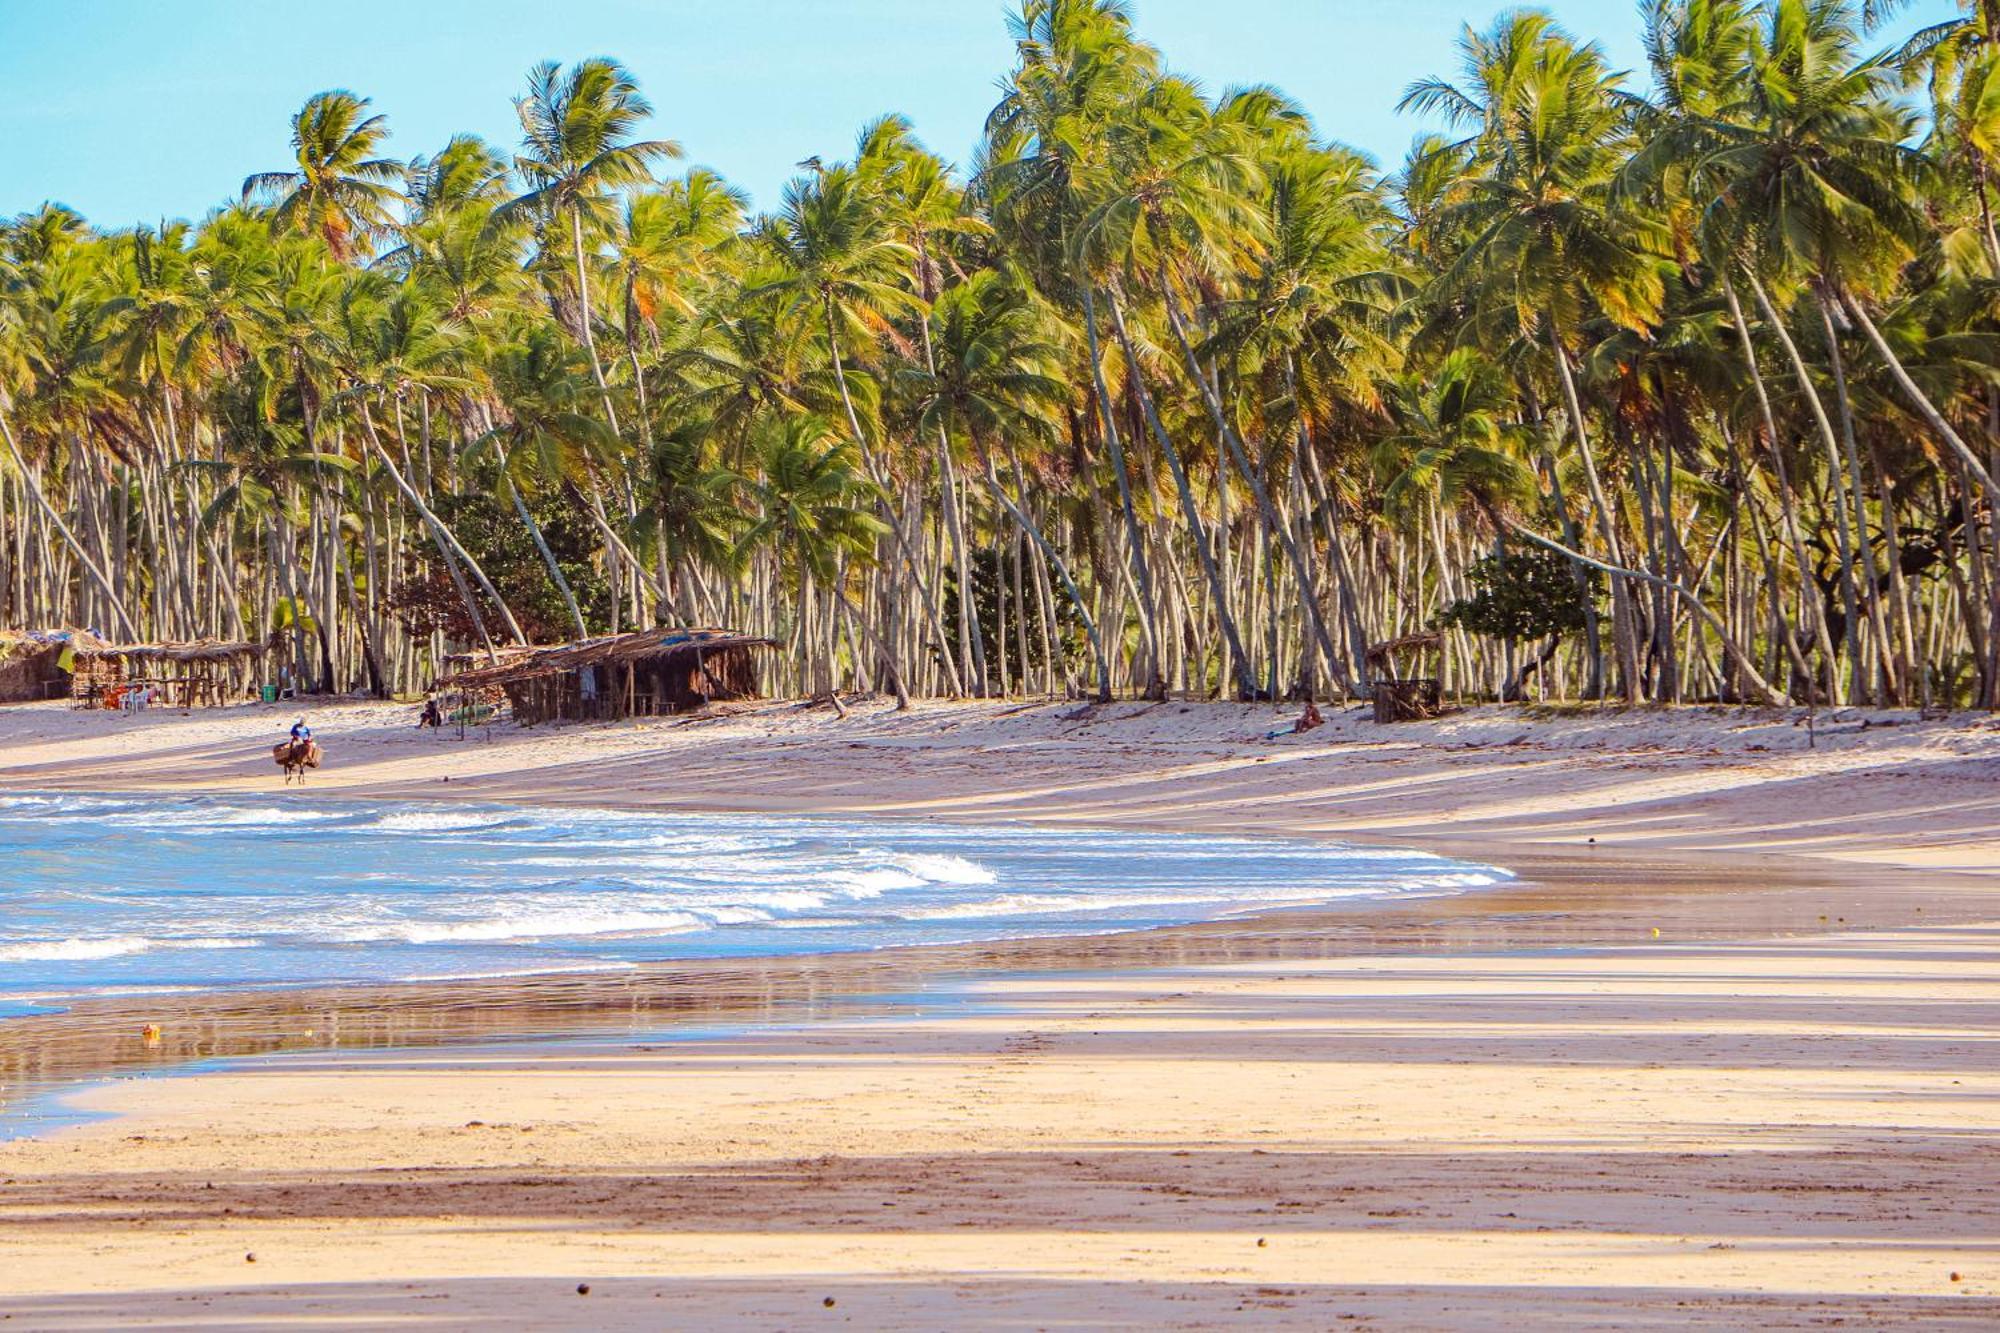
<point>431,716</point>
<point>1307,721</point>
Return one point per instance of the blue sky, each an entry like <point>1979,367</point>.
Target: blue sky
<point>133,110</point>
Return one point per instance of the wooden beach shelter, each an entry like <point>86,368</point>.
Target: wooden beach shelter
<point>41,664</point>
<point>646,674</point>
<point>1399,697</point>
<point>197,674</point>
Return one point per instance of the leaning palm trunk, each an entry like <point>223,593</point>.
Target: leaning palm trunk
<point>1273,521</point>
<point>585,320</point>
<point>34,485</point>
<point>1622,627</point>
<point>1786,507</point>
<point>1918,399</point>
<point>882,646</point>
<point>1148,604</point>
<point>1837,481</point>
<point>548,556</point>
<point>1225,620</point>
<point>438,530</point>
<point>1735,651</point>
<point>1895,667</point>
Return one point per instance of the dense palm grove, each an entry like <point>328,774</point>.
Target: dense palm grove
<point>1669,389</point>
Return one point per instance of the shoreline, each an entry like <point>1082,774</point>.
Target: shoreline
<point>1509,1105</point>
<point>1572,899</point>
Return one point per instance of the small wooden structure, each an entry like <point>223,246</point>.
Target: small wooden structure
<point>40,664</point>
<point>646,674</point>
<point>1400,698</point>
<point>203,673</point>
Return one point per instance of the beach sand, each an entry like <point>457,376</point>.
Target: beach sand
<point>1513,1107</point>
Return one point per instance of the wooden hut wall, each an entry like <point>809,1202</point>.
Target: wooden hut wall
<point>679,681</point>
<point>33,675</point>
<point>693,677</point>
<point>94,673</point>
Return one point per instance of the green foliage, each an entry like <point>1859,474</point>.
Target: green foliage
<point>1523,595</point>
<point>1194,346</point>
<point>505,549</point>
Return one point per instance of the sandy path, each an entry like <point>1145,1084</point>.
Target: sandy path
<point>1788,1133</point>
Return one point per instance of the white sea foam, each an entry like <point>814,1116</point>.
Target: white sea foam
<point>437,821</point>
<point>397,891</point>
<point>76,950</point>
<point>1036,904</point>
<point>941,869</point>
<point>875,883</point>
<point>534,926</point>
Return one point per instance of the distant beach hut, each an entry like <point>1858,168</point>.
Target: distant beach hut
<point>41,664</point>
<point>197,674</point>
<point>1403,697</point>
<point>647,674</point>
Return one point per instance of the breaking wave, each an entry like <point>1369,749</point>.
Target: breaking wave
<point>117,892</point>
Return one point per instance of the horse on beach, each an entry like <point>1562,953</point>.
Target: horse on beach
<point>295,757</point>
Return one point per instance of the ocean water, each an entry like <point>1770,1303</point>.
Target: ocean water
<point>103,893</point>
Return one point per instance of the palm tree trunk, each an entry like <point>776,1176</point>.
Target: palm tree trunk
<point>1843,529</point>
<point>90,566</point>
<point>438,530</point>
<point>1273,521</point>
<point>1239,660</point>
<point>883,492</point>
<point>548,556</point>
<point>1918,399</point>
<point>1893,668</point>
<point>584,318</point>
<point>1148,607</point>
<point>1622,628</point>
<point>1735,651</point>
<point>1786,507</point>
<point>1034,533</point>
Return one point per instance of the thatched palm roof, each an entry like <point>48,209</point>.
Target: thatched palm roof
<point>20,641</point>
<point>201,650</point>
<point>605,650</point>
<point>1381,652</point>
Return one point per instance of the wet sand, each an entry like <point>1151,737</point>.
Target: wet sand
<point>1517,1105</point>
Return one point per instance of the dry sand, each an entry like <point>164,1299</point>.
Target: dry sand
<point>1430,1117</point>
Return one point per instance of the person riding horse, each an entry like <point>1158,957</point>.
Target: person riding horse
<point>298,754</point>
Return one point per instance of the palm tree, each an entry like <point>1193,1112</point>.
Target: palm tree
<point>1077,62</point>
<point>339,190</point>
<point>989,376</point>
<point>814,514</point>
<point>546,440</point>
<point>1544,251</point>
<point>838,267</point>
<point>577,152</point>
<point>1176,368</point>
<point>468,172</point>
<point>669,245</point>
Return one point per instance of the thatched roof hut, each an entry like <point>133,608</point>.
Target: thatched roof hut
<point>39,664</point>
<point>622,675</point>
<point>189,673</point>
